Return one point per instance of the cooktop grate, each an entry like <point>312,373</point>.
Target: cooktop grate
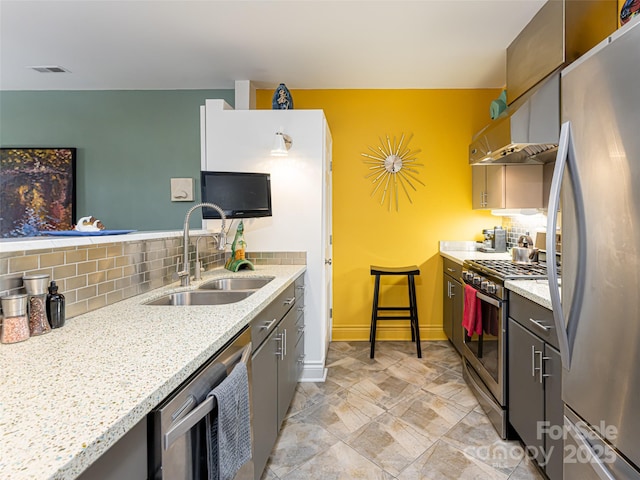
<point>506,269</point>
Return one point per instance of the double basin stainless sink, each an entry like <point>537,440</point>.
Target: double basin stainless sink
<point>220,291</point>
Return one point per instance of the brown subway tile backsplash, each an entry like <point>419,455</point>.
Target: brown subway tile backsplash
<point>51,259</point>
<point>96,253</point>
<point>65,271</point>
<point>23,263</point>
<point>76,256</point>
<point>91,277</point>
<point>87,267</point>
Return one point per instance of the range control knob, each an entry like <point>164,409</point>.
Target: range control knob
<point>484,285</point>
<point>477,279</point>
<point>491,287</point>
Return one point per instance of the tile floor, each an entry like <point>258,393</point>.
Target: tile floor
<point>393,417</point>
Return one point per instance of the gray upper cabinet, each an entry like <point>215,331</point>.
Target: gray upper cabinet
<point>507,186</point>
<point>557,35</point>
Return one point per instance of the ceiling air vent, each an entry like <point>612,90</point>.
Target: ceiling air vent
<point>50,69</point>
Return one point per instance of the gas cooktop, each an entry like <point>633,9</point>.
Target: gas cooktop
<point>508,270</point>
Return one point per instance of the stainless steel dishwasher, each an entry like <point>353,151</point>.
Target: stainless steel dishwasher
<point>177,445</point>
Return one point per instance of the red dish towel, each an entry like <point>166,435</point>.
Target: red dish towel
<point>472,312</point>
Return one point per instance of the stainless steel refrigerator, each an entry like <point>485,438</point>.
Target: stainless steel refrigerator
<point>597,185</point>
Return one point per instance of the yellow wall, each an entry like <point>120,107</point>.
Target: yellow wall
<point>366,233</point>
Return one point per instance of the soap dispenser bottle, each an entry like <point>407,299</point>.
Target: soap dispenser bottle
<point>55,306</point>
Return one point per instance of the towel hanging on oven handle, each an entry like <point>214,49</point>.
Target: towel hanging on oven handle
<point>198,413</point>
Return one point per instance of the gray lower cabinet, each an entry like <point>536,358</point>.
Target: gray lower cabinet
<point>264,366</point>
<point>127,458</point>
<point>452,303</point>
<point>276,368</point>
<point>535,377</point>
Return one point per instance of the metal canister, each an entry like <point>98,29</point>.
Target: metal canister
<point>15,324</point>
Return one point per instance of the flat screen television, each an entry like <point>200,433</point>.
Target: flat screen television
<point>238,194</point>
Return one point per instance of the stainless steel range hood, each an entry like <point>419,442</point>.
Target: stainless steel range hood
<point>526,133</point>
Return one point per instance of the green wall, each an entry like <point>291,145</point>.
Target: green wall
<point>129,144</point>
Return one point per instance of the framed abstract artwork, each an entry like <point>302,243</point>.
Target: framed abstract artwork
<point>37,190</point>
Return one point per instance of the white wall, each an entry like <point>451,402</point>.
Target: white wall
<point>240,141</point>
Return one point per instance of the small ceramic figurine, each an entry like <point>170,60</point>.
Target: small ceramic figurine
<point>237,261</point>
<point>89,224</point>
<point>282,98</point>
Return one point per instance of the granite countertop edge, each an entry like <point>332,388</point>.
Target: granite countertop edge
<point>83,386</point>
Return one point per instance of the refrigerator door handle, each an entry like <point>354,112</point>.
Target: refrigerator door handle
<point>566,157</point>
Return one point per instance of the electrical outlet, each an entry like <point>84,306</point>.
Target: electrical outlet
<point>182,189</point>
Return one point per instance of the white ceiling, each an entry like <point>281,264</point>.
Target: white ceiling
<point>209,44</point>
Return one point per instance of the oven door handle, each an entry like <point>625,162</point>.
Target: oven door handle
<point>202,410</point>
<point>492,301</point>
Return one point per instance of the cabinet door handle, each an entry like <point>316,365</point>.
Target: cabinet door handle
<point>268,325</point>
<point>280,338</point>
<point>451,288</point>
<point>450,270</point>
<point>284,344</point>
<point>290,301</point>
<point>533,360</point>
<point>448,289</point>
<point>542,374</point>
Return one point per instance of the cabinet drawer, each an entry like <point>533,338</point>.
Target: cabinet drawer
<point>268,318</point>
<point>451,268</point>
<point>535,318</point>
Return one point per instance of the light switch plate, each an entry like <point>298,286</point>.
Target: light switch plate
<point>182,189</point>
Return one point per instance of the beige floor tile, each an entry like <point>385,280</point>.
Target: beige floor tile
<point>526,470</point>
<point>340,462</point>
<point>415,370</point>
<point>339,350</point>
<point>298,443</point>
<point>476,436</point>
<point>383,389</point>
<point>452,386</point>
<point>390,443</point>
<point>311,393</point>
<point>394,416</point>
<point>445,462</point>
<point>341,413</point>
<point>430,413</point>
<point>346,371</point>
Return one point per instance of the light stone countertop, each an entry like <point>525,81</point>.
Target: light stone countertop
<point>461,251</point>
<point>67,396</point>
<point>535,290</point>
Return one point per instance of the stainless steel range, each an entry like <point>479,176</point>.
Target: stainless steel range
<point>485,348</point>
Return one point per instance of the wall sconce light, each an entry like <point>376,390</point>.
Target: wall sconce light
<point>281,145</point>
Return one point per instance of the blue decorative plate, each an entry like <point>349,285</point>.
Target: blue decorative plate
<point>76,233</point>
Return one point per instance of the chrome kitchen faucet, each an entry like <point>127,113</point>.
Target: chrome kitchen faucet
<point>221,240</point>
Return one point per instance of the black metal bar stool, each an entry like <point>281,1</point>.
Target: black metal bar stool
<point>410,272</point>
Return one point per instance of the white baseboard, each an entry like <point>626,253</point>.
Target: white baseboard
<point>313,373</point>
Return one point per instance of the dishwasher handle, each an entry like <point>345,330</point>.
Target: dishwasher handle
<point>206,407</point>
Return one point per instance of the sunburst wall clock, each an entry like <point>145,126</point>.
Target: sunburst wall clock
<point>393,168</point>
